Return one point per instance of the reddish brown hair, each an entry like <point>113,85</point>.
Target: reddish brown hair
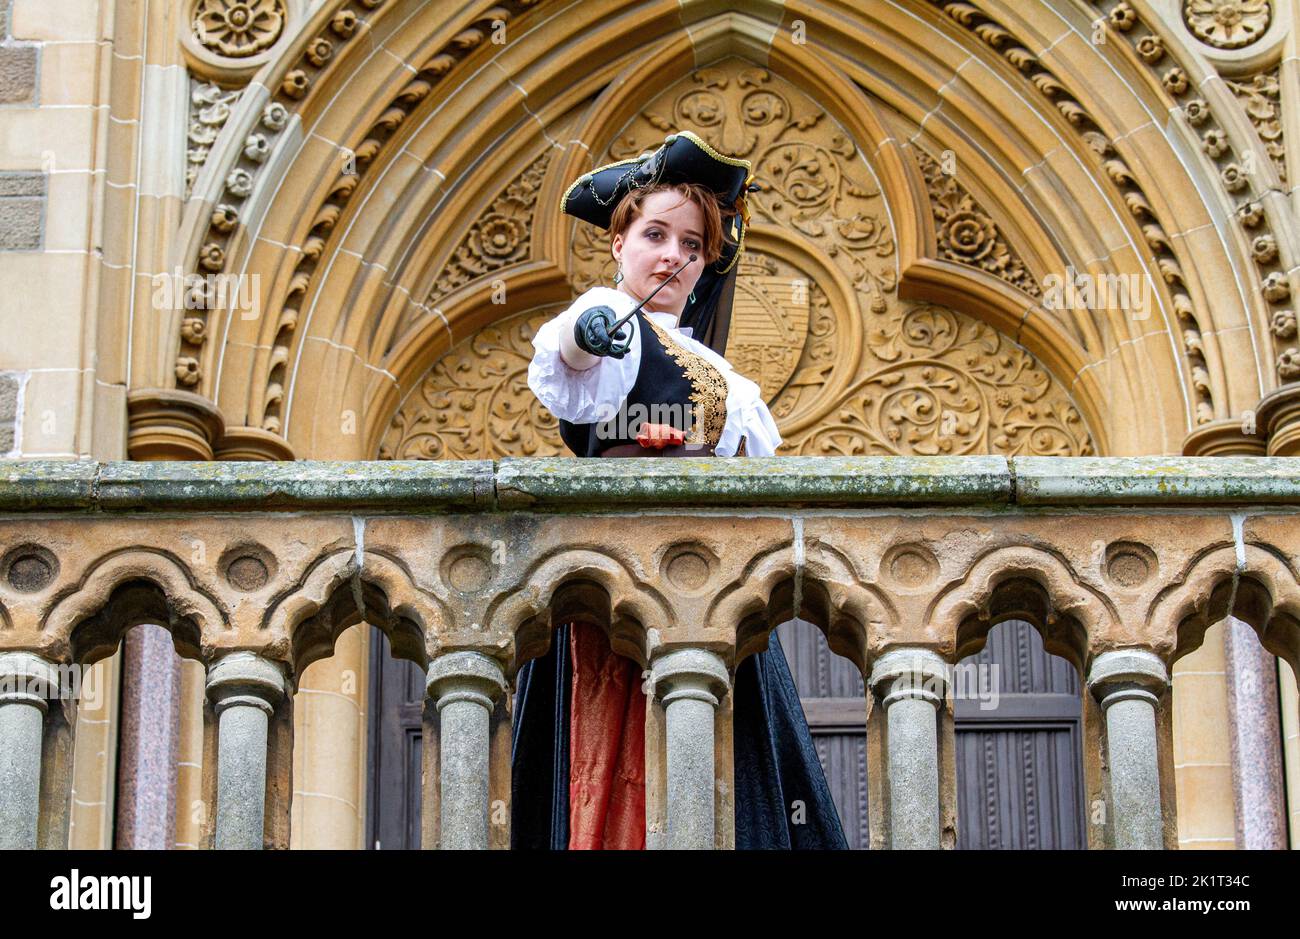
<point>713,237</point>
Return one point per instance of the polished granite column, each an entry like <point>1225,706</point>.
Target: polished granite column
<point>148,741</point>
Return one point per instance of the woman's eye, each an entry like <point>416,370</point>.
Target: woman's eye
<point>652,233</point>
<point>693,245</point>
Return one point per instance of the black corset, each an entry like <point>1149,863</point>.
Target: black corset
<point>660,381</point>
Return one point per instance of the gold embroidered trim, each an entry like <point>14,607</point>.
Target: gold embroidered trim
<point>709,389</point>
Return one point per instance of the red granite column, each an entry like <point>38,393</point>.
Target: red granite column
<point>147,743</point>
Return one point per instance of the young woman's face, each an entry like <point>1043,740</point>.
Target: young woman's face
<point>669,230</point>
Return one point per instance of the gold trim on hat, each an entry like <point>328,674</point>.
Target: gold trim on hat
<point>730,161</point>
<point>694,138</point>
<point>740,249</point>
<point>564,201</point>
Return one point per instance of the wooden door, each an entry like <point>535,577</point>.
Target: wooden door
<point>1020,765</point>
<point>393,795</point>
<point>834,702</point>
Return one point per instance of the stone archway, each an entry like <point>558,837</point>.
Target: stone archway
<point>355,198</point>
<point>847,366</point>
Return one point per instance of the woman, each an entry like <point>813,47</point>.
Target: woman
<point>625,372</point>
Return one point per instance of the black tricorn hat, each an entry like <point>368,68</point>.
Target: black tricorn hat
<point>682,158</point>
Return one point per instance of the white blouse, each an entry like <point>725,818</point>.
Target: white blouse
<point>597,393</point>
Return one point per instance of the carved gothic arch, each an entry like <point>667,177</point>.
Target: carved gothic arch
<point>357,234</point>
<point>1257,584</point>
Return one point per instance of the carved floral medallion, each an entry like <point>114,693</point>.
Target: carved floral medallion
<point>238,28</point>
<point>1227,24</point>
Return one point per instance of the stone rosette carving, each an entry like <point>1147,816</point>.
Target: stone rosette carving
<point>934,383</point>
<point>238,29</point>
<point>967,234</point>
<point>1227,24</point>
<point>500,238</point>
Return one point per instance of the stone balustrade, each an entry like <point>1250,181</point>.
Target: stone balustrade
<point>905,564</point>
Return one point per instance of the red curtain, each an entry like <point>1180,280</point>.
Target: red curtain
<point>606,746</point>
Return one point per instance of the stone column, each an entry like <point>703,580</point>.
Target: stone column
<point>912,685</point>
<point>1250,715</point>
<point>147,741</point>
<point>1256,735</point>
<point>1128,683</point>
<point>244,688</point>
<point>465,687</point>
<point>690,683</point>
<point>27,682</point>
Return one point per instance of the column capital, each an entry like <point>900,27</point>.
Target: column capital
<point>465,676</point>
<point>1226,437</point>
<point>910,673</point>
<point>253,445</point>
<point>27,678</point>
<point>690,673</point>
<point>246,678</point>
<point>171,424</point>
<point>1127,673</point>
<point>1278,414</point>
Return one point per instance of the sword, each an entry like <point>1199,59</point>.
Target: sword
<point>619,324</point>
<point>583,327</point>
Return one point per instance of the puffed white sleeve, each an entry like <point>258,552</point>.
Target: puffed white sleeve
<point>587,395</point>
<point>747,415</point>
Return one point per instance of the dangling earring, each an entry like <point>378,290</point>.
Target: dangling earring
<point>618,274</point>
<point>692,294</point>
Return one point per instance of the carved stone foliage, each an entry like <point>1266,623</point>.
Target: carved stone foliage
<point>965,232</point>
<point>1261,97</point>
<point>932,382</point>
<point>238,28</point>
<point>815,183</point>
<point>500,237</point>
<point>1227,24</point>
<point>475,403</point>
<point>210,107</point>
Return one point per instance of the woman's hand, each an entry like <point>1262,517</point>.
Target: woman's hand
<point>591,333</point>
<point>571,350</point>
<point>659,436</point>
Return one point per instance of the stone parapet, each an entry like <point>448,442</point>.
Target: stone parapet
<point>392,486</point>
<point>476,561</point>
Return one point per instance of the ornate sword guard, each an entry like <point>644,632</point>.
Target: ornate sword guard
<point>618,343</point>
